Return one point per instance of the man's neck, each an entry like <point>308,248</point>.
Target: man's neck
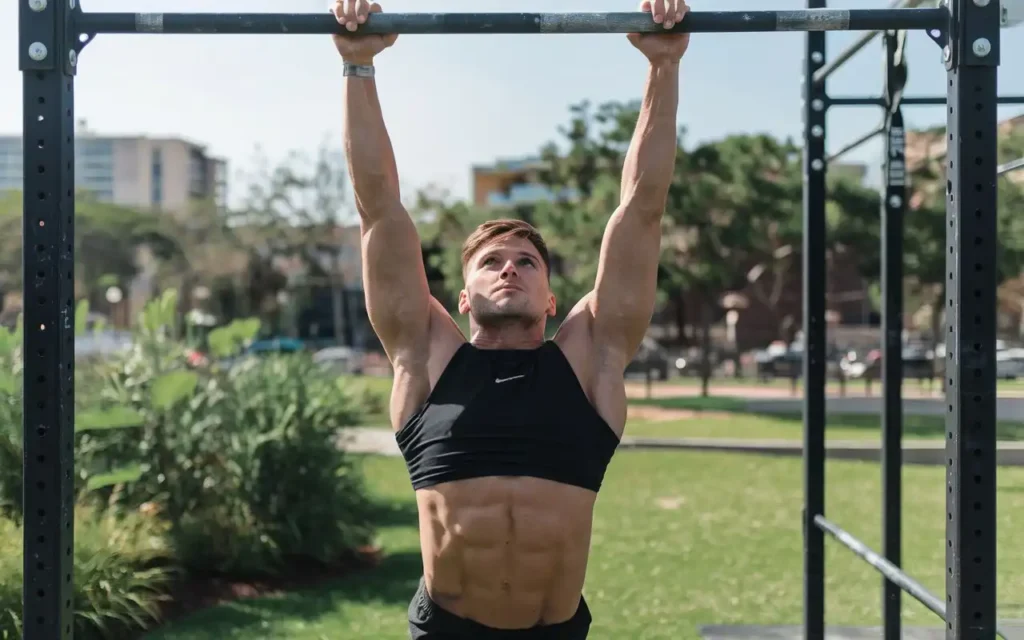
<point>508,337</point>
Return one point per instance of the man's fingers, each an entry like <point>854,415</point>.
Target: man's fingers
<point>681,11</point>
<point>362,10</point>
<point>351,23</point>
<point>645,6</point>
<point>658,7</point>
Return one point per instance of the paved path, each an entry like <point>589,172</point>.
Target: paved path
<point>381,441</point>
<point>1013,631</point>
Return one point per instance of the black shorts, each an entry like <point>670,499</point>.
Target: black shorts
<point>428,621</point>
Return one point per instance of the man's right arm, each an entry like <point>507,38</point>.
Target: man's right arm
<point>397,296</point>
<point>418,334</point>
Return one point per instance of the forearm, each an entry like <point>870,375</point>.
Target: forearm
<point>650,161</point>
<point>371,159</point>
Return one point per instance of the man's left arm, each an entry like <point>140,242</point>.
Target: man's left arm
<point>623,299</point>
<point>622,302</point>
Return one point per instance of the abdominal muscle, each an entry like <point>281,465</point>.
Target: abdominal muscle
<point>507,552</point>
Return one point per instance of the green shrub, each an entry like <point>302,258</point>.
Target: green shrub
<point>241,458</point>
<point>123,572</point>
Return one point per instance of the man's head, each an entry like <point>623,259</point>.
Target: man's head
<point>506,267</point>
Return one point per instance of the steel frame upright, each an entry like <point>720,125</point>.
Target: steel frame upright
<point>972,60</point>
<point>971,55</point>
<point>47,59</point>
<point>815,331</point>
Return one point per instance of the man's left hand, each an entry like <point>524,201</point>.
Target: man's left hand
<point>667,47</point>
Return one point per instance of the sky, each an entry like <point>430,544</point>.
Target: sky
<point>454,101</point>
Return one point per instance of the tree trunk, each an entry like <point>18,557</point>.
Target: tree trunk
<point>339,315</point>
<point>680,316</point>
<point>705,348</point>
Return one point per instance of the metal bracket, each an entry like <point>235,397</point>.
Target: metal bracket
<point>76,40</point>
<point>940,38</point>
<point>1011,13</point>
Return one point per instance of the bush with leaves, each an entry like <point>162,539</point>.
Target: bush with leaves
<point>236,467</point>
<point>240,458</point>
<point>123,571</point>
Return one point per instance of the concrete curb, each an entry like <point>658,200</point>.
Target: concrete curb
<point>1008,454</point>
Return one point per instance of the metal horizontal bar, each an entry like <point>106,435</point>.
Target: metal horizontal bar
<point>824,72</point>
<point>893,573</point>
<point>1010,166</point>
<point>481,23</point>
<point>908,101</point>
<point>867,137</point>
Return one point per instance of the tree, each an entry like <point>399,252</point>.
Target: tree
<point>298,209</point>
<point>925,228</point>
<point>107,240</point>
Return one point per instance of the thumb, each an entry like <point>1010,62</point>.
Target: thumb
<point>634,38</point>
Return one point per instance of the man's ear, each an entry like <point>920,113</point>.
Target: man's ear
<point>463,302</point>
<point>552,306</point>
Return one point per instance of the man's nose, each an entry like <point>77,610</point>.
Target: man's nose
<point>510,268</point>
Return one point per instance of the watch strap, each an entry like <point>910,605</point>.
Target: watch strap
<point>360,70</point>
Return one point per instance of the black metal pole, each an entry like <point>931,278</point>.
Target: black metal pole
<point>861,42</point>
<point>481,23</point>
<point>814,269</point>
<point>47,64</point>
<point>894,205</point>
<point>843,101</point>
<point>972,241</point>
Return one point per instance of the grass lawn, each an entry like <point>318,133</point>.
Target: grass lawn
<point>680,540</point>
<point>726,417</point>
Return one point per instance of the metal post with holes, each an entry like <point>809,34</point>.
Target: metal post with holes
<point>47,61</point>
<point>972,246</point>
<point>894,204</point>
<point>814,269</point>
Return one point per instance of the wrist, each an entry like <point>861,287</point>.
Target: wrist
<point>363,61</point>
<point>665,64</point>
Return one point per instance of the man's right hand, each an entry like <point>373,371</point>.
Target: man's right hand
<point>358,49</point>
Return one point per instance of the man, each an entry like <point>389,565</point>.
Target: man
<point>507,436</point>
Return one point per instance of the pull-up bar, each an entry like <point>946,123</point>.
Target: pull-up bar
<point>482,23</point>
<point>1003,169</point>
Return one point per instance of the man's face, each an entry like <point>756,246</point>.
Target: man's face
<point>507,283</point>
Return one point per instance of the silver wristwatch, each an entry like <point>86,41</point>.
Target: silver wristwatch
<point>359,70</point>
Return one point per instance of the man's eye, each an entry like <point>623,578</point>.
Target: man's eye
<point>527,262</point>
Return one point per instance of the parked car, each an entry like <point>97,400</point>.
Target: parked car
<point>340,360</point>
<point>918,363</point>
<point>651,358</point>
<point>1010,363</point>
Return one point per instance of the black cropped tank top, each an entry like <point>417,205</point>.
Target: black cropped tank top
<point>507,413</point>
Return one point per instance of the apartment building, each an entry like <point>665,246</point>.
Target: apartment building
<point>923,146</point>
<point>510,182</point>
<point>163,174</point>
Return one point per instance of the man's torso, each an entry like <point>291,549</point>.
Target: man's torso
<point>507,451</point>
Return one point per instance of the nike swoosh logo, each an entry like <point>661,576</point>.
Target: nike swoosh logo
<point>500,380</point>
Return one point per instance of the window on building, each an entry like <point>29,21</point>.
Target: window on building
<point>157,178</point>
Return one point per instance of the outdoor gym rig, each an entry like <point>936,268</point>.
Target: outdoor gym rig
<point>54,32</point>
